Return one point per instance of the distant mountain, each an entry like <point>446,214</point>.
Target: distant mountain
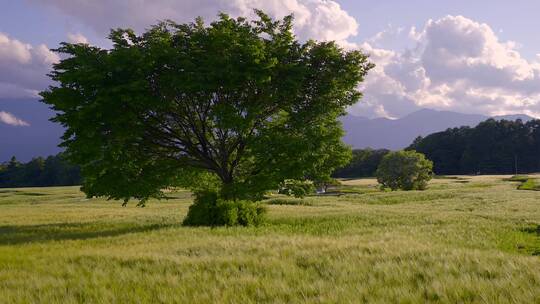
<point>399,133</point>
<point>39,139</point>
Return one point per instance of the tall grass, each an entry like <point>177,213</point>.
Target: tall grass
<point>455,243</point>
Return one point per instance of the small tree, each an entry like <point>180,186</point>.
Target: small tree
<point>235,107</point>
<point>296,188</point>
<point>406,170</point>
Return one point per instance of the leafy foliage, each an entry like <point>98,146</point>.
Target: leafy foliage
<point>492,147</point>
<point>296,188</point>
<point>39,172</point>
<point>406,170</point>
<point>239,106</point>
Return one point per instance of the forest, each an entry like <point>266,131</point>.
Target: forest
<point>39,172</point>
<point>364,163</point>
<point>492,147</point>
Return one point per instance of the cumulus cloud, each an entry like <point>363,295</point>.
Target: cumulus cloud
<point>10,119</point>
<point>455,64</point>
<point>452,63</point>
<point>317,19</point>
<point>77,38</point>
<point>23,67</point>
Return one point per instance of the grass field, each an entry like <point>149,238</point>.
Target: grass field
<point>465,240</point>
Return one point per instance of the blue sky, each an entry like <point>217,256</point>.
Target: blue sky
<point>517,19</point>
<point>37,23</point>
<point>466,56</point>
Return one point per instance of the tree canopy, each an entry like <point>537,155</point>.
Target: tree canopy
<point>237,106</point>
<point>406,170</point>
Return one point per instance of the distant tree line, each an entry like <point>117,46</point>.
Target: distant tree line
<point>364,163</point>
<point>492,147</point>
<point>39,172</point>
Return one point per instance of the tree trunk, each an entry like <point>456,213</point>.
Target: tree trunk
<point>228,191</point>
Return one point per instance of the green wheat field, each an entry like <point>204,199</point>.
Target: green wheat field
<point>465,240</point>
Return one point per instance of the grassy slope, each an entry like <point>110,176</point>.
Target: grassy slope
<point>464,240</point>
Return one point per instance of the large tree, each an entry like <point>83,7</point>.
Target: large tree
<point>236,106</point>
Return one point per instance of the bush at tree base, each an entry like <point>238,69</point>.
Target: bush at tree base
<point>209,210</point>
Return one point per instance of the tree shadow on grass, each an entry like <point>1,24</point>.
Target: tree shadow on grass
<point>29,234</point>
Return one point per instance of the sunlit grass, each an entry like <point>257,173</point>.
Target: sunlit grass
<point>530,184</point>
<point>466,239</point>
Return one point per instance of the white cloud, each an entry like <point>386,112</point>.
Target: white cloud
<point>14,50</point>
<point>77,38</point>
<point>455,64</point>
<point>10,119</point>
<point>23,67</point>
<point>385,35</point>
<point>317,19</point>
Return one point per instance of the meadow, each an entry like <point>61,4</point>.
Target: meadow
<point>464,240</point>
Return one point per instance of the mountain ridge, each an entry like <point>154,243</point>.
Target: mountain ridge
<point>395,134</point>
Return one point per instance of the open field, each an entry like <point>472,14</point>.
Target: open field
<point>466,239</point>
